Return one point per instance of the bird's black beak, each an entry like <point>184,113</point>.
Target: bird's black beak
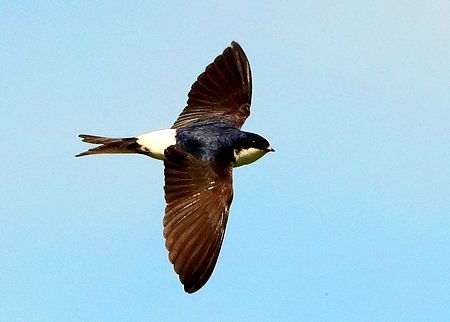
<point>270,149</point>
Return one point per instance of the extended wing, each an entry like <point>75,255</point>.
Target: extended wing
<point>222,91</point>
<point>198,196</point>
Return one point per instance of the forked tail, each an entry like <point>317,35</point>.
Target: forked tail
<point>110,145</point>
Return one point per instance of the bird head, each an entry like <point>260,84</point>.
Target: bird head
<point>249,147</point>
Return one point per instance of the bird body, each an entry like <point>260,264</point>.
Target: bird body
<point>199,152</point>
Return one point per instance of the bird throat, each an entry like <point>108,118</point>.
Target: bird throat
<point>247,156</point>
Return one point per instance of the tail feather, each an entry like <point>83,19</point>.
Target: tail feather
<point>110,145</point>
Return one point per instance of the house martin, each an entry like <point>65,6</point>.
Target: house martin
<point>199,153</point>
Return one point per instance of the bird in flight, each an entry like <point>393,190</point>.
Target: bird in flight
<point>199,152</point>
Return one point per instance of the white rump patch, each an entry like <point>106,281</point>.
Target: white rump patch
<point>157,141</point>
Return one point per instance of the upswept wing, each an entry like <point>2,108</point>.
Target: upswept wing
<point>222,91</point>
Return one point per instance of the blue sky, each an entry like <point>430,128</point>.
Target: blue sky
<point>347,221</point>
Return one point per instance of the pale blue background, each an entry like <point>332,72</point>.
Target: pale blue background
<point>348,221</point>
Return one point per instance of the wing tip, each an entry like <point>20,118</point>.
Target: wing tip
<point>235,44</point>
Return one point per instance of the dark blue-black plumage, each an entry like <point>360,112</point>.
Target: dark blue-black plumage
<point>217,140</point>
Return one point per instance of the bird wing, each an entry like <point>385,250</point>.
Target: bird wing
<point>223,91</point>
<point>198,196</point>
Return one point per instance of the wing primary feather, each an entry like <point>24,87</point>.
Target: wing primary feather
<point>223,91</point>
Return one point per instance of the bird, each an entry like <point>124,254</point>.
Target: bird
<point>199,152</point>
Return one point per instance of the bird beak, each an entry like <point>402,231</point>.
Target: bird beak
<point>270,149</point>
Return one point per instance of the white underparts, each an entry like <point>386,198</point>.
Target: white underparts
<point>157,141</point>
<point>247,156</point>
